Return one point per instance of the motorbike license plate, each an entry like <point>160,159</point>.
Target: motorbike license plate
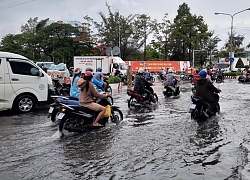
<point>192,106</point>
<point>60,116</point>
<point>51,109</point>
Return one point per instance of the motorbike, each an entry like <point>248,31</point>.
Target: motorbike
<point>219,79</point>
<point>106,87</point>
<point>61,88</point>
<point>55,106</point>
<point>161,77</point>
<point>171,90</point>
<point>244,79</point>
<point>137,100</point>
<point>76,118</point>
<point>202,110</point>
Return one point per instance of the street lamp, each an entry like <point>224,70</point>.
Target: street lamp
<point>231,38</point>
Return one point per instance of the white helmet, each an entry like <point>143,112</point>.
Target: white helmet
<point>170,70</point>
<point>140,70</point>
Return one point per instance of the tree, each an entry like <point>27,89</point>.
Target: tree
<point>129,33</point>
<point>237,41</point>
<point>56,41</point>
<point>161,34</point>
<point>188,32</point>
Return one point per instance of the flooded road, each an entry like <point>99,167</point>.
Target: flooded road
<point>158,143</point>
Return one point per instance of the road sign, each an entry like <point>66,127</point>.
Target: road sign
<point>231,59</point>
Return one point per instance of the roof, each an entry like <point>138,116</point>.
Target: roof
<point>11,55</point>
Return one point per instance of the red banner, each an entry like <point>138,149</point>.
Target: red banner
<point>156,66</point>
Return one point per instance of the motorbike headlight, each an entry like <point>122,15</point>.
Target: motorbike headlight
<point>63,110</point>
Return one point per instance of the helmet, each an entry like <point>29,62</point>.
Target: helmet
<point>88,74</point>
<point>170,70</point>
<point>77,70</point>
<point>89,69</point>
<point>99,69</point>
<point>140,70</point>
<point>203,73</point>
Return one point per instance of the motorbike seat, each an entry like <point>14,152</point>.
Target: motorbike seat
<point>73,98</point>
<point>85,109</point>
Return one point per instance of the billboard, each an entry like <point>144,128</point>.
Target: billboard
<point>157,66</point>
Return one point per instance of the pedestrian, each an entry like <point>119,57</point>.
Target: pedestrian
<point>129,77</point>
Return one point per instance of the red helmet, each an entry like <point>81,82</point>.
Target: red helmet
<point>88,74</point>
<point>77,70</point>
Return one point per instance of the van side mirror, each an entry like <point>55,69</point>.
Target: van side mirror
<point>35,72</point>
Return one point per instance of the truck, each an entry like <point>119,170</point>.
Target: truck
<point>108,64</point>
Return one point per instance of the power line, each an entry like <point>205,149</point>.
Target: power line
<point>16,3</point>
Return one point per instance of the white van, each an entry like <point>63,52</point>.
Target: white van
<point>23,84</point>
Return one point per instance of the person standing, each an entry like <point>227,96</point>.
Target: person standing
<point>129,77</point>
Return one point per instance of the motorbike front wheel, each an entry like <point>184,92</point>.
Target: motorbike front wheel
<point>54,114</point>
<point>110,100</point>
<point>109,90</point>
<point>155,97</point>
<point>116,115</point>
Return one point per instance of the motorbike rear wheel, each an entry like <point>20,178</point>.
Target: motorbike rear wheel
<point>131,102</point>
<point>73,124</point>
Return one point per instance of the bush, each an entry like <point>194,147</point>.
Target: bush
<point>233,73</point>
<point>114,79</point>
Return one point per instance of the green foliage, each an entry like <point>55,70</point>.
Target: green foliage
<point>246,66</point>
<point>114,79</point>
<point>233,73</point>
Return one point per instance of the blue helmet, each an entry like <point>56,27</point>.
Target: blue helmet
<point>99,69</point>
<point>203,73</point>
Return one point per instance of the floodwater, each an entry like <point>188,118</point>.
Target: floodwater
<point>158,143</point>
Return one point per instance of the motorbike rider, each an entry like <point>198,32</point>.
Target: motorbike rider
<point>98,74</point>
<point>142,86</point>
<point>171,80</point>
<point>162,74</point>
<point>220,74</point>
<point>96,82</point>
<point>74,90</point>
<point>206,90</point>
<point>87,94</point>
<point>196,75</point>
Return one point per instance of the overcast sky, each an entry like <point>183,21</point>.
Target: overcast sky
<point>15,13</point>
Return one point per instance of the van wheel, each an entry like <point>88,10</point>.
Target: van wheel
<point>24,104</point>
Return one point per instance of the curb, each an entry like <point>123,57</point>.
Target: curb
<point>230,77</point>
